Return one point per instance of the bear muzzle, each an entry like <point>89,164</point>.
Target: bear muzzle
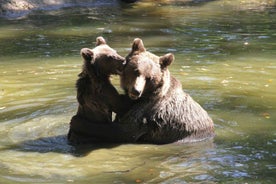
<point>137,88</point>
<point>134,94</point>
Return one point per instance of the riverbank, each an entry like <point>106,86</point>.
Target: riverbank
<point>18,8</point>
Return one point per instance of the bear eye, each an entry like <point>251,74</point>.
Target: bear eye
<point>136,72</point>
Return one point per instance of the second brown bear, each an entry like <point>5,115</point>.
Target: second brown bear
<point>96,95</point>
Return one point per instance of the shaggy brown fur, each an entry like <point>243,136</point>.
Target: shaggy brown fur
<point>161,112</point>
<point>162,108</point>
<point>96,95</point>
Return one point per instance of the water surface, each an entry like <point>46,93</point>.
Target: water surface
<point>225,59</point>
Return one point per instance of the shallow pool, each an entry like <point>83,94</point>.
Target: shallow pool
<point>225,58</point>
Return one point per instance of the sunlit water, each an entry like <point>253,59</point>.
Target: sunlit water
<point>225,58</point>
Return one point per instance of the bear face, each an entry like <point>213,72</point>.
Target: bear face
<point>144,72</point>
<point>102,60</point>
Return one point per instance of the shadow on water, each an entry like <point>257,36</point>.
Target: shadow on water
<point>230,159</point>
<point>57,144</point>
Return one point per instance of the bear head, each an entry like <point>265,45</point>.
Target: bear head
<point>145,74</point>
<point>102,60</point>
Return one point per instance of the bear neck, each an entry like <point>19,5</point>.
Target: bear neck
<point>99,79</point>
<point>96,77</point>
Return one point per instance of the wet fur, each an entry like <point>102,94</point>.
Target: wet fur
<point>96,95</point>
<point>163,113</point>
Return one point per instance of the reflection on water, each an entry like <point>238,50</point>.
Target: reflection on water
<point>225,58</point>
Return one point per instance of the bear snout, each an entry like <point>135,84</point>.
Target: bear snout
<point>136,90</point>
<point>87,54</point>
<point>134,94</point>
<point>120,66</point>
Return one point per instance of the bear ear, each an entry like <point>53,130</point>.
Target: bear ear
<point>100,40</point>
<point>138,45</point>
<point>166,60</point>
<point>87,54</point>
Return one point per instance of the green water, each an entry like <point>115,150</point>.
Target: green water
<point>225,58</point>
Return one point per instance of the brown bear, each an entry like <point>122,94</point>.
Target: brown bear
<point>96,95</point>
<point>161,111</point>
<point>162,108</point>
